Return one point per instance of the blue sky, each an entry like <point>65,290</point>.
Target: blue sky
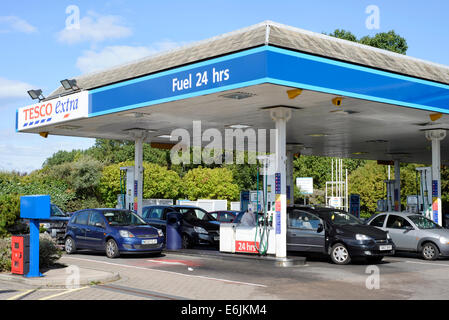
<point>37,50</point>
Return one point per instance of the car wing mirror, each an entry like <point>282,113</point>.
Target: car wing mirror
<point>408,228</point>
<point>320,228</point>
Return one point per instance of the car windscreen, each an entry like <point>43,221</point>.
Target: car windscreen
<point>423,223</point>
<point>56,212</point>
<point>341,218</point>
<point>192,214</point>
<point>123,218</point>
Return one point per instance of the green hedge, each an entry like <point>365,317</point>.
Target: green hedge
<point>49,253</point>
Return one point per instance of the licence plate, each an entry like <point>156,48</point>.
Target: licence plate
<point>384,248</point>
<point>149,241</point>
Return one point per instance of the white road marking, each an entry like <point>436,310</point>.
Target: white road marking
<point>166,262</point>
<point>171,272</point>
<point>428,263</point>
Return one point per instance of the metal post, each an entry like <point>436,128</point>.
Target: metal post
<point>436,136</point>
<point>139,137</point>
<point>397,186</point>
<point>281,116</point>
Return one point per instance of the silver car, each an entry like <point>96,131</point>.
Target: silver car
<point>414,232</point>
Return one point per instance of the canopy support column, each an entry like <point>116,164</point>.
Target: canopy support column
<point>436,136</point>
<point>397,186</point>
<point>280,116</point>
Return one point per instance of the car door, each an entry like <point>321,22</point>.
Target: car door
<point>79,229</point>
<point>95,231</point>
<point>379,222</point>
<point>302,232</point>
<point>403,234</point>
<point>159,218</point>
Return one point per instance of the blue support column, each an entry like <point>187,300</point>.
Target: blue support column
<point>34,207</point>
<point>34,249</point>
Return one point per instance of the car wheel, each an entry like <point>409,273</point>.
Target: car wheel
<point>429,251</point>
<point>376,259</point>
<point>186,242</point>
<point>112,249</point>
<point>339,254</point>
<point>69,245</point>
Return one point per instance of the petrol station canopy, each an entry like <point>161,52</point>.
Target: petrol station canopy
<point>235,78</point>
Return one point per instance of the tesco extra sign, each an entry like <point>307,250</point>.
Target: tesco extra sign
<point>69,107</point>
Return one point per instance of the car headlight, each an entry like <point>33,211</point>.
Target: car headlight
<point>160,232</point>
<point>126,234</point>
<point>388,235</point>
<point>362,237</point>
<point>444,240</point>
<point>200,230</point>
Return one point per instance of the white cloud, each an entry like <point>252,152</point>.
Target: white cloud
<point>95,28</point>
<point>26,152</point>
<point>12,89</point>
<point>13,23</point>
<point>114,55</point>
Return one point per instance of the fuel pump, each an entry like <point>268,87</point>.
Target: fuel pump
<point>425,191</point>
<point>262,226</point>
<point>128,195</point>
<point>387,204</point>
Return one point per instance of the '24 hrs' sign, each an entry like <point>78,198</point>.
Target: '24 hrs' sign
<point>200,79</point>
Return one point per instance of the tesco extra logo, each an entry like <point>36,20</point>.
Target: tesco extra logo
<point>46,111</point>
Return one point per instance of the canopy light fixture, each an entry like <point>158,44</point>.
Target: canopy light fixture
<point>43,134</point>
<point>136,115</point>
<point>69,84</point>
<point>164,136</point>
<point>36,94</point>
<point>239,126</point>
<point>376,141</point>
<point>68,127</point>
<point>317,135</point>
<point>359,153</point>
<point>397,154</point>
<point>344,112</point>
<point>293,93</point>
<point>295,144</point>
<point>238,95</point>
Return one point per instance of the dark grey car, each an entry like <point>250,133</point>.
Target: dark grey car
<point>414,232</point>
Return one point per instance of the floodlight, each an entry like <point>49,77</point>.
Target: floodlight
<point>36,94</point>
<point>69,84</point>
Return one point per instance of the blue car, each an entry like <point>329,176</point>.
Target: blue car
<point>114,231</point>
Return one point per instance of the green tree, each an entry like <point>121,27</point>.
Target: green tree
<point>368,182</point>
<point>207,183</point>
<point>115,151</point>
<point>159,182</point>
<point>62,156</point>
<point>9,212</point>
<point>343,34</point>
<point>82,176</point>
<point>390,40</point>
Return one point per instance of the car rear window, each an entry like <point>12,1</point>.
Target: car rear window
<point>82,217</point>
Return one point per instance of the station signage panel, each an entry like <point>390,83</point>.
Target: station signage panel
<point>61,109</point>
